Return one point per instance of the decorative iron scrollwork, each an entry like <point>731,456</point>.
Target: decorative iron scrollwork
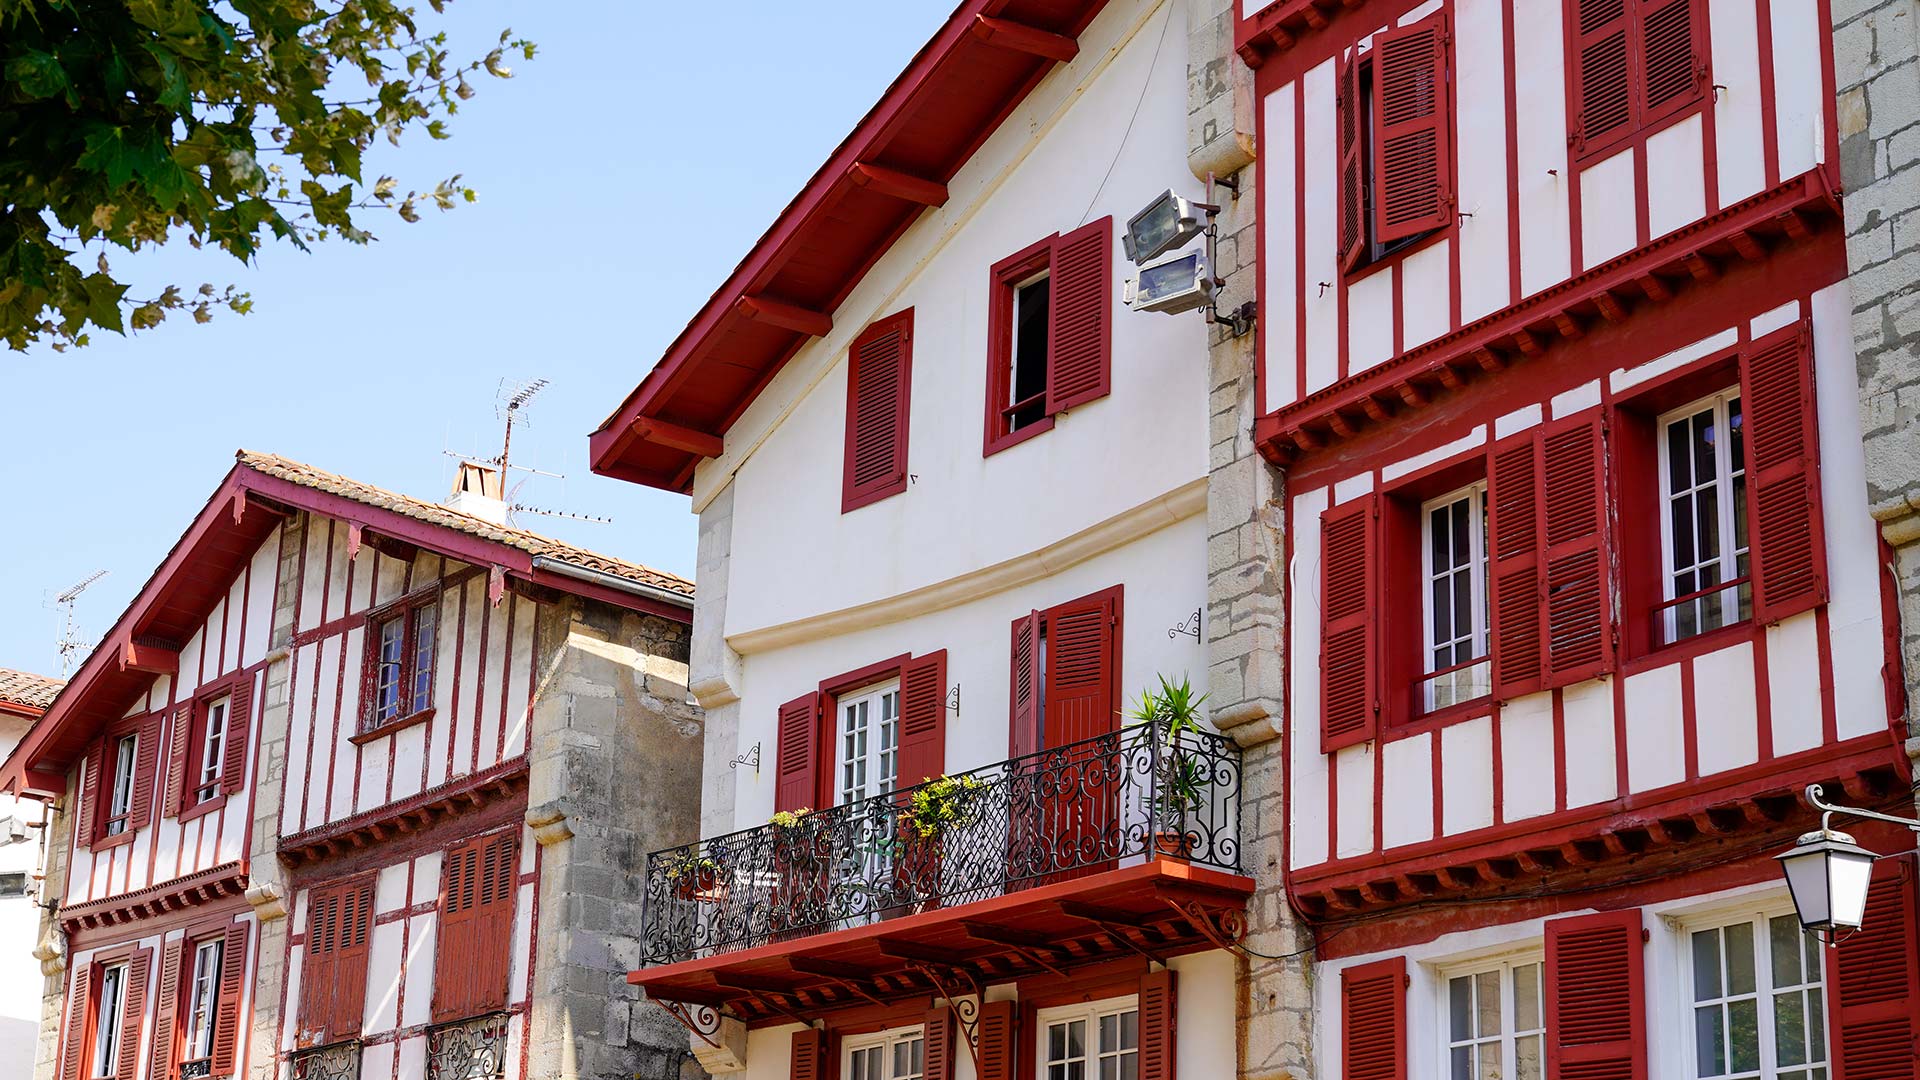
<point>338,1061</point>
<point>699,1020</point>
<point>1189,627</point>
<point>473,1049</point>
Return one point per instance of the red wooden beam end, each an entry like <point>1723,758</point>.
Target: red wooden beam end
<point>149,658</point>
<point>784,315</point>
<point>1007,34</point>
<point>679,438</point>
<point>897,184</point>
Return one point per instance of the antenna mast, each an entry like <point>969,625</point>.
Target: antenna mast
<point>508,401</point>
<point>71,644</point>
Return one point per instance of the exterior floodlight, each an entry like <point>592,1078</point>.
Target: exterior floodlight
<point>1176,283</point>
<point>1168,222</point>
<point>1828,875</point>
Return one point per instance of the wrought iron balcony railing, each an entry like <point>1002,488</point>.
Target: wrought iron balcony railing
<point>1068,812</point>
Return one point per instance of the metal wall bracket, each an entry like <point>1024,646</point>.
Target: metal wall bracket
<point>953,699</point>
<point>702,1021</point>
<point>1190,626</point>
<point>963,997</point>
<point>751,757</point>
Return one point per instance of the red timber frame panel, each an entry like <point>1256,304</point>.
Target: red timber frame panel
<point>1349,631</point>
<point>1596,997</point>
<point>1413,129</point>
<point>1875,980</point>
<point>1373,1020</point>
<point>1784,516</point>
<point>879,396</point>
<point>333,975</point>
<point>473,950</point>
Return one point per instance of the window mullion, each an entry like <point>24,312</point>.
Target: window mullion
<point>1763,983</point>
<point>1723,464</point>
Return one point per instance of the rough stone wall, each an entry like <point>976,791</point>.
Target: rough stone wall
<point>1877,75</point>
<point>1246,565</point>
<point>615,774</point>
<point>715,667</point>
<point>52,948</point>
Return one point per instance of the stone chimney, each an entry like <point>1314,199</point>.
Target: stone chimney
<point>478,490</point>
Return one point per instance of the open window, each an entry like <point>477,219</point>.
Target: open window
<point>1705,556</point>
<point>106,1005</point>
<point>401,644</point>
<point>1050,329</point>
<point>110,1022</point>
<point>122,764</point>
<point>1395,132</point>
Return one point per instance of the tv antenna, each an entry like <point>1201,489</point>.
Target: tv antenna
<point>71,645</point>
<point>510,403</point>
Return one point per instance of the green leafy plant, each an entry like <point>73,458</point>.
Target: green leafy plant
<point>939,805</point>
<point>790,819</point>
<point>1172,711</point>
<point>694,866</point>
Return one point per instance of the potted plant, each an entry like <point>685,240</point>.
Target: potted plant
<point>697,877</point>
<point>939,805</point>
<point>1179,779</point>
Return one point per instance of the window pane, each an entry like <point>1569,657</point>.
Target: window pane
<point>1783,934</point>
<point>1710,1055</point>
<point>1437,532</point>
<point>1706,508</point>
<point>1683,557</point>
<point>1526,1055</point>
<point>1489,1060</point>
<point>1129,1030</point>
<point>1489,1001</point>
<point>1743,1030</point>
<point>1738,441</point>
<point>1817,1023</point>
<point>1703,436</point>
<point>1740,958</point>
<point>1462,1063</point>
<point>1077,1038</point>
<point>1130,1067</point>
<point>1461,545</point>
<point>1790,1028</point>
<point>1706,965</point>
<point>1526,998</point>
<point>1109,1069</point>
<point>1460,1007</point>
<point>1056,1042</point>
<point>1679,476</point>
<point>1109,1033</point>
<point>1462,606</point>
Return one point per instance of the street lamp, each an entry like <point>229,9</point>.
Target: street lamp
<point>1829,874</point>
<point>1169,280</point>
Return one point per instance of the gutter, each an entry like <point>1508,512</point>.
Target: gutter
<point>548,564</point>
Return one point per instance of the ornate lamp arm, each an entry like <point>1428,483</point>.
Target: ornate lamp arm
<point>1829,809</point>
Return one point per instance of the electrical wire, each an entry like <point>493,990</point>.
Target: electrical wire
<point>1145,83</point>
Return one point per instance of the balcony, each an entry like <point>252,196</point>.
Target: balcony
<point>1122,845</point>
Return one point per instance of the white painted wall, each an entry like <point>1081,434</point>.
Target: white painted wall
<point>19,918</point>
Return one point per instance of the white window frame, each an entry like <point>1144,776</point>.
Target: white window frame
<point>126,758</point>
<point>1728,561</point>
<point>109,1025</point>
<point>203,999</point>
<point>873,780</point>
<point>1509,1033</point>
<point>885,1042</point>
<point>213,743</point>
<point>1045,274</point>
<point>1091,1013</point>
<point>1758,911</point>
<point>1478,568</point>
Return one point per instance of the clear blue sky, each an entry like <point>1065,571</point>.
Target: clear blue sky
<point>621,173</point>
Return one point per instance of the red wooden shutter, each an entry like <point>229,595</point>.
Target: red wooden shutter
<point>473,951</point>
<point>233,766</point>
<point>1024,671</point>
<point>318,965</point>
<point>1514,589</point>
<point>797,766</point>
<point>1875,977</point>
<point>1788,541</point>
<point>166,1014</point>
<point>938,1060</point>
<point>146,760</point>
<point>1673,62</point>
<point>1373,1020</point>
<point>1574,522</point>
<point>1596,997</point>
<point>233,984</point>
<point>80,986</point>
<point>809,1055</point>
<point>1353,191</point>
<point>133,1015</point>
<point>333,976</point>
<point>1159,1021</point>
<point>996,1055</point>
<point>923,719</point>
<point>1413,125</point>
<point>879,384</point>
<point>350,967</point>
<point>1080,335</point>
<point>1603,75</point>
<point>1082,683</point>
<point>1349,604</point>
<point>89,797</point>
<point>178,747</point>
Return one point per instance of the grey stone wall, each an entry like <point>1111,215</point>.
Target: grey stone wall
<point>715,669</point>
<point>615,774</point>
<point>1877,75</point>
<point>1246,567</point>
<point>266,889</point>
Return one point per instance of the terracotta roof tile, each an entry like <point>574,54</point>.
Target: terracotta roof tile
<point>435,514</point>
<point>28,689</point>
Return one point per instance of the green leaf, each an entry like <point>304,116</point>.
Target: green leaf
<point>37,74</point>
<point>103,302</point>
<point>120,153</point>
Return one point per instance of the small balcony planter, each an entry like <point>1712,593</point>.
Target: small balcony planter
<point>698,878</point>
<point>1180,779</point>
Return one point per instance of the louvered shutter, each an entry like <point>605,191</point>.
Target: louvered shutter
<point>1579,579</point>
<point>1373,1021</point>
<point>1787,540</point>
<point>1604,86</point>
<point>333,976</point>
<point>1024,677</point>
<point>1596,997</point>
<point>1353,191</point>
<point>797,765</point>
<point>1413,124</point>
<point>146,760</point>
<point>1159,1013</point>
<point>809,1055</point>
<point>1673,61</point>
<point>178,747</point>
<point>473,950</point>
<point>318,966</point>
<point>133,1014</point>
<point>1514,589</point>
<point>89,797</point>
<point>1349,606</point>
<point>166,1012</point>
<point>923,719</point>
<point>939,1033</point>
<point>79,989</point>
<point>879,383</point>
<point>350,968</point>
<point>233,985</point>
<point>233,765</point>
<point>1875,979</point>
<point>995,1053</point>
<point>1082,687</point>
<point>1080,334</point>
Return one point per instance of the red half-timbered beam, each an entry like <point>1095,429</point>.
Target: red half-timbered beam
<point>1019,37</point>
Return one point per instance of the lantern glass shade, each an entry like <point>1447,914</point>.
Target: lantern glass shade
<point>1828,875</point>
